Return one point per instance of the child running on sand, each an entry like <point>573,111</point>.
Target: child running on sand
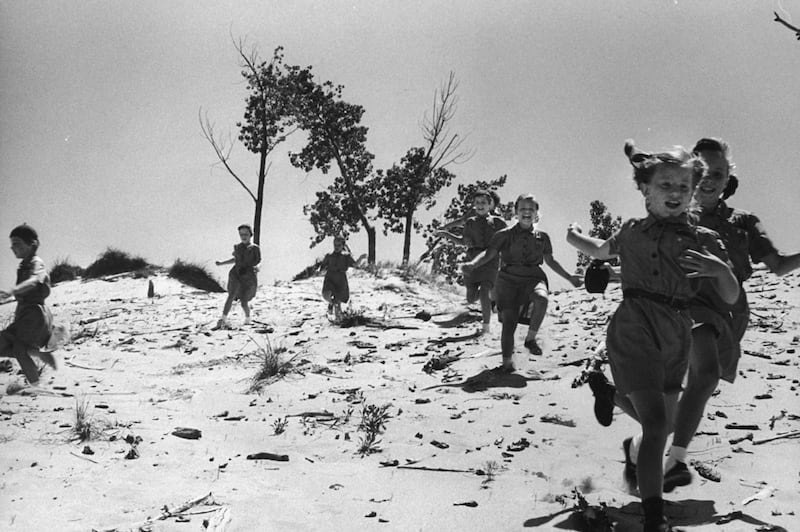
<point>478,231</point>
<point>33,323</point>
<point>242,278</point>
<point>663,261</point>
<point>521,280</point>
<point>335,288</point>
<point>717,332</point>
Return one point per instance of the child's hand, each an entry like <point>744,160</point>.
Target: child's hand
<point>574,228</point>
<point>575,280</point>
<point>5,295</point>
<point>702,264</point>
<point>218,262</point>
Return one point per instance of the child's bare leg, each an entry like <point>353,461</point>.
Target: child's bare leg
<point>509,317</point>
<point>651,406</point>
<point>539,304</point>
<point>11,347</point>
<point>228,304</point>
<point>486,305</point>
<point>245,308</point>
<point>702,380</point>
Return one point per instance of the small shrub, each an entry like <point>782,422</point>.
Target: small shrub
<point>113,261</point>
<point>84,427</point>
<point>373,423</point>
<point>279,426</point>
<point>64,271</point>
<point>354,317</point>
<point>272,367</point>
<point>194,276</point>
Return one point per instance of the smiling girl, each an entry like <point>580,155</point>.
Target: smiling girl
<point>664,260</point>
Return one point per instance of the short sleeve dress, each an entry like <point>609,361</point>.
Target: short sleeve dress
<point>522,253</point>
<point>478,233</point>
<point>335,281</point>
<point>242,278</point>
<point>649,335</point>
<point>745,240</point>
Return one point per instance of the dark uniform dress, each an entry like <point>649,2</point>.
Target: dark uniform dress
<point>478,232</point>
<point>745,240</point>
<point>242,279</point>
<point>335,281</point>
<point>33,322</point>
<point>522,253</point>
<point>649,335</point>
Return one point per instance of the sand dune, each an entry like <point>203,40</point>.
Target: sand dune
<point>461,449</point>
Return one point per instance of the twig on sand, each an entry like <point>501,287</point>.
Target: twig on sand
<point>171,329</point>
<point>437,469</point>
<point>785,435</point>
<point>81,366</point>
<point>98,318</point>
<point>76,455</point>
<point>167,512</point>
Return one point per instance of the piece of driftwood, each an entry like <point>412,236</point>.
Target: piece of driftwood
<point>268,456</point>
<point>436,469</point>
<point>167,512</point>
<point>785,435</point>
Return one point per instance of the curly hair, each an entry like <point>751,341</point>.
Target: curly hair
<point>645,163</point>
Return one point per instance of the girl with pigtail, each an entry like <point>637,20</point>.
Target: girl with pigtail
<point>664,261</point>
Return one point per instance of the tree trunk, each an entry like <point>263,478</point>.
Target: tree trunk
<point>262,178</point>
<point>407,238</point>
<point>370,243</point>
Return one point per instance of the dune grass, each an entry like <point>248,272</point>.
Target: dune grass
<point>113,261</point>
<point>195,276</point>
<point>63,270</point>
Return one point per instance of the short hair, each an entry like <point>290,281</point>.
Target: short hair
<point>26,233</point>
<point>245,226</point>
<point>524,197</point>
<point>482,192</point>
<point>645,164</point>
<point>717,144</point>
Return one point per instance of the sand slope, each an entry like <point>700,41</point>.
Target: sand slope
<point>146,366</point>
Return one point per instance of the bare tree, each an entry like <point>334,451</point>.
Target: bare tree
<point>795,29</point>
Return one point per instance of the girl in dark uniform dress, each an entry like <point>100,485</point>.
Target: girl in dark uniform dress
<point>242,278</point>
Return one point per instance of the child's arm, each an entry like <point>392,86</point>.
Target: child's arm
<point>451,237</point>
<point>481,258</point>
<point>594,247</point>
<point>38,277</point>
<point>224,262</point>
<point>781,264</point>
<point>706,264</point>
<point>551,261</point>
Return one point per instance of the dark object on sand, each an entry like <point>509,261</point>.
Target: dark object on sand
<point>596,277</point>
<point>187,433</point>
<point>268,456</point>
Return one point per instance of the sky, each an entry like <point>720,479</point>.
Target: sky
<point>100,144</point>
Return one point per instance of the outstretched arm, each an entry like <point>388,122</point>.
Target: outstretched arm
<point>594,247</point>
<point>574,280</point>
<point>451,237</point>
<point>781,264</point>
<point>481,258</point>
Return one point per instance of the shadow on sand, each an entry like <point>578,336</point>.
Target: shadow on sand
<point>628,518</point>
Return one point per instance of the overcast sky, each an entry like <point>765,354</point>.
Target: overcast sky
<point>100,144</point>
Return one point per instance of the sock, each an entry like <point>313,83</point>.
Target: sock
<point>676,454</point>
<point>636,442</point>
<point>653,509</point>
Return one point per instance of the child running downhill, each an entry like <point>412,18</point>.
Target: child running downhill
<point>664,259</point>
<point>521,280</point>
<point>717,333</point>
<point>478,231</point>
<point>33,323</point>
<point>335,288</point>
<point>242,278</point>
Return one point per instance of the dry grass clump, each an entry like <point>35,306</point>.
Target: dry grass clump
<point>85,427</point>
<point>64,271</point>
<point>113,261</point>
<point>194,276</point>
<point>272,366</point>
<point>373,423</point>
<point>308,272</point>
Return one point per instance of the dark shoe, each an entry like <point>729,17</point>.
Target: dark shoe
<point>604,393</point>
<point>678,475</point>
<point>533,347</point>
<point>630,468</point>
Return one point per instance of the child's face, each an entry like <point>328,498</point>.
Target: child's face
<point>711,186</point>
<point>338,245</point>
<point>482,205</point>
<point>245,235</point>
<point>20,248</point>
<point>527,213</point>
<point>669,191</point>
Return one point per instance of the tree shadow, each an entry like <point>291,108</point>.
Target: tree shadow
<point>629,517</point>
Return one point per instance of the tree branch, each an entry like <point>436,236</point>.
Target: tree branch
<point>779,20</point>
<point>223,152</point>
